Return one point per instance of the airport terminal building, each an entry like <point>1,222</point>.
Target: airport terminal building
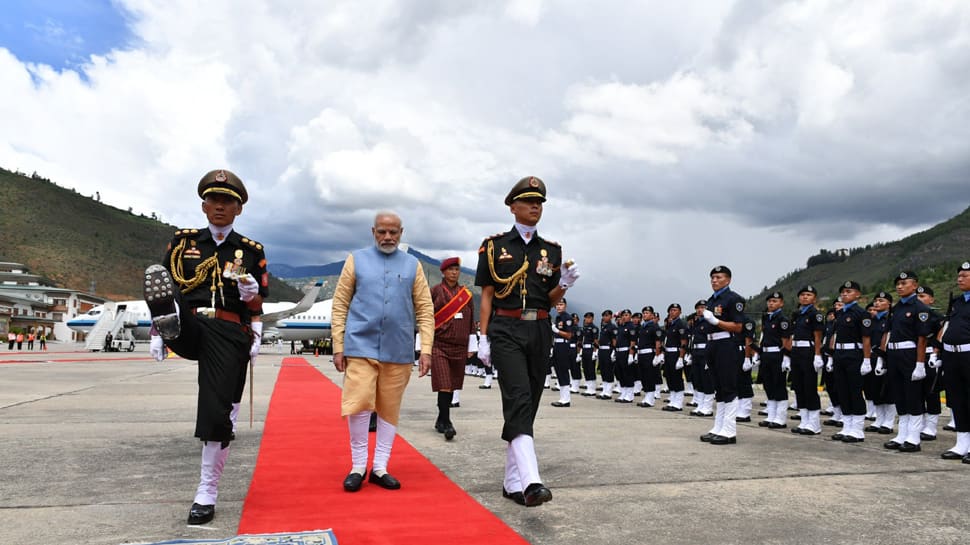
<point>30,302</point>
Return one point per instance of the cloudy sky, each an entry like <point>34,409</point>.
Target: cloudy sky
<point>672,136</point>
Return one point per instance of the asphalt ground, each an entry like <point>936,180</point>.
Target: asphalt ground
<point>98,449</point>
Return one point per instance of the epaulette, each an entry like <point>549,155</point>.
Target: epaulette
<point>186,232</point>
<point>481,248</point>
<point>252,243</point>
<point>553,242</point>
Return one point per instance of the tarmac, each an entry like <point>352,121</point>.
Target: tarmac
<point>97,448</point>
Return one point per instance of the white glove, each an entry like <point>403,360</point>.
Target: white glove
<point>756,359</point>
<point>747,365</point>
<point>829,366</point>
<point>156,347</point>
<point>257,328</point>
<point>880,368</point>
<point>709,316</point>
<point>579,358</point>
<point>785,364</point>
<point>248,287</point>
<point>629,359</point>
<point>679,364</point>
<point>920,372</point>
<point>688,359</point>
<point>596,355</point>
<point>658,360</point>
<point>934,361</point>
<point>555,329</point>
<point>866,367</point>
<point>484,350</point>
<point>613,357</point>
<point>569,276</point>
<point>818,363</point>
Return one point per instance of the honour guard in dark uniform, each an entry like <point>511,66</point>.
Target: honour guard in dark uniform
<point>649,339</point>
<point>626,338</point>
<point>834,410</point>
<point>725,311</point>
<point>750,361</point>
<point>607,343</point>
<point>588,336</point>
<point>521,274</point>
<point>219,269</point>
<point>874,383</point>
<point>775,361</point>
<point>908,328</point>
<point>697,359</point>
<point>808,324</point>
<point>955,339</point>
<point>850,345</point>
<point>932,384</point>
<point>674,348</point>
<point>563,334</point>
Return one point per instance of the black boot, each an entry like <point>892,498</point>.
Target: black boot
<point>443,424</point>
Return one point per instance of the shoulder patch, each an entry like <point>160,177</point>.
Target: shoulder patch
<point>923,316</point>
<point>819,317</point>
<point>739,306</point>
<point>748,325</point>
<point>866,322</point>
<point>553,242</point>
<point>784,325</point>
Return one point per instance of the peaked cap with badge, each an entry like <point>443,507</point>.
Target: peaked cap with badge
<point>224,182</point>
<point>529,187</point>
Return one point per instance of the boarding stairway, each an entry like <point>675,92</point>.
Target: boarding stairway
<point>113,321</point>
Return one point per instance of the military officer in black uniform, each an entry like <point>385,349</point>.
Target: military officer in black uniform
<point>775,360</point>
<point>908,328</point>
<point>563,334</point>
<point>607,343</point>
<point>649,349</point>
<point>216,268</point>
<point>808,324</point>
<point>751,357</point>
<point>674,349</point>
<point>521,274</point>
<point>589,335</point>
<point>697,359</point>
<point>850,346</point>
<point>955,338</point>
<point>874,383</point>
<point>725,311</point>
<point>932,384</point>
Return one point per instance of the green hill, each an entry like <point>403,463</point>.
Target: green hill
<point>934,254</point>
<point>78,242</point>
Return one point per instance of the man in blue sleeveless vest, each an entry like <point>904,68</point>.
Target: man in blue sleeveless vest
<point>382,292</point>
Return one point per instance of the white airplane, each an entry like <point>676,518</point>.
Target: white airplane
<point>305,320</point>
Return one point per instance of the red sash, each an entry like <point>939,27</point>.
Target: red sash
<point>452,307</point>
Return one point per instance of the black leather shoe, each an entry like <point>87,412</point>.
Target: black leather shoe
<point>891,445</point>
<point>387,481</point>
<point>483,387</point>
<point>806,431</point>
<point>871,418</point>
<point>455,405</point>
<point>536,494</point>
<point>796,430</point>
<point>796,417</point>
<point>966,459</point>
<point>909,447</point>
<point>827,412</point>
<point>764,403</point>
<point>559,404</point>
<point>883,430</point>
<point>742,419</point>
<point>691,404</point>
<point>449,432</point>
<point>927,437</point>
<point>587,394</point>
<point>763,424</point>
<point>950,455</point>
<point>762,413</point>
<point>838,437</point>
<point>721,440</point>
<point>872,428</point>
<point>671,409</point>
<point>517,497</point>
<point>707,437</point>
<point>776,426</point>
<point>603,396</point>
<point>439,427</point>
<point>201,514</point>
<point>353,482</point>
<point>647,405</point>
<point>950,428</point>
<point>852,439</point>
<point>621,400</point>
<point>832,422</point>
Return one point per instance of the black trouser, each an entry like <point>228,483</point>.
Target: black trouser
<point>520,354</point>
<point>589,364</point>
<point>745,384</point>
<point>648,374</point>
<point>562,359</point>
<point>931,390</point>
<point>675,377</point>
<point>703,378</point>
<point>772,377</point>
<point>848,381</point>
<point>575,370</point>
<point>724,360</point>
<point>625,371</point>
<point>804,378</point>
<point>956,373</point>
<point>606,364</point>
<point>904,391</point>
<point>222,350</point>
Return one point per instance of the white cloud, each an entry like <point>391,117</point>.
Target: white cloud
<point>788,126</point>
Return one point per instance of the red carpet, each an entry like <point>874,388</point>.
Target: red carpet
<point>302,462</point>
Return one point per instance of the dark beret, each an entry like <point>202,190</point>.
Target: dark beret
<point>721,269</point>
<point>808,289</point>
<point>450,262</point>
<point>850,285</point>
<point>906,275</point>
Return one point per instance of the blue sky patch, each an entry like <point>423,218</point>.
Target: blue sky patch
<point>62,34</point>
